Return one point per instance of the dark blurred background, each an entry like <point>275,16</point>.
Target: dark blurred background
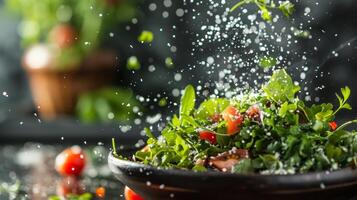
<point>153,88</point>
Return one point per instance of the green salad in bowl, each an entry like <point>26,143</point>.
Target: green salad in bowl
<point>270,131</point>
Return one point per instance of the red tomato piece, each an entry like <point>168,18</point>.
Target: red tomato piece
<point>131,195</point>
<point>253,112</point>
<point>209,136</point>
<point>71,161</point>
<point>333,125</point>
<point>233,118</point>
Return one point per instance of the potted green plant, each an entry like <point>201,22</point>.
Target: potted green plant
<point>62,38</point>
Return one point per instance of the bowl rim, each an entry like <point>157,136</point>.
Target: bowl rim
<point>322,176</point>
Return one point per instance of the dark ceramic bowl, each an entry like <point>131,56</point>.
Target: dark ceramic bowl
<point>157,184</point>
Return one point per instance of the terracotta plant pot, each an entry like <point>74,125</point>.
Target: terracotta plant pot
<point>55,92</point>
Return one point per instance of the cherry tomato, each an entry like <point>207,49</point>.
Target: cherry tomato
<point>233,118</point>
<point>209,136</point>
<point>131,195</point>
<point>70,185</point>
<point>333,125</point>
<point>63,35</point>
<point>71,161</point>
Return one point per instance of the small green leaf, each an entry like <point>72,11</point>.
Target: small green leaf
<point>146,37</point>
<point>287,8</point>
<point>211,107</point>
<point>133,63</point>
<point>280,87</point>
<point>266,15</point>
<point>267,62</point>
<point>162,102</point>
<point>169,62</point>
<point>188,100</point>
<point>346,92</point>
<point>285,108</point>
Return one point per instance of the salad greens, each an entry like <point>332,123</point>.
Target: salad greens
<point>270,132</point>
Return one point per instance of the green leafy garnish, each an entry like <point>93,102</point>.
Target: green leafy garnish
<point>278,132</point>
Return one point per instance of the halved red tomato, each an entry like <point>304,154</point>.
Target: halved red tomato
<point>131,195</point>
<point>209,136</point>
<point>233,118</point>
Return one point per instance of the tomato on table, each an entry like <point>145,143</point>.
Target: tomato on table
<point>131,195</point>
<point>233,118</point>
<point>71,161</point>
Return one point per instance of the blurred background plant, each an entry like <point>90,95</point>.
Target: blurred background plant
<point>71,28</point>
<point>65,60</point>
<point>107,105</point>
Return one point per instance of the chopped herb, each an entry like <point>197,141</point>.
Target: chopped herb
<point>146,37</point>
<point>267,62</point>
<point>169,62</point>
<point>133,63</point>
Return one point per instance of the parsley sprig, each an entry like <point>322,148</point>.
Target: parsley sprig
<point>266,7</point>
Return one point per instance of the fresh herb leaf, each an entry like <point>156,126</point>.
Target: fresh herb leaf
<point>188,100</point>
<point>287,8</point>
<point>346,92</point>
<point>281,88</point>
